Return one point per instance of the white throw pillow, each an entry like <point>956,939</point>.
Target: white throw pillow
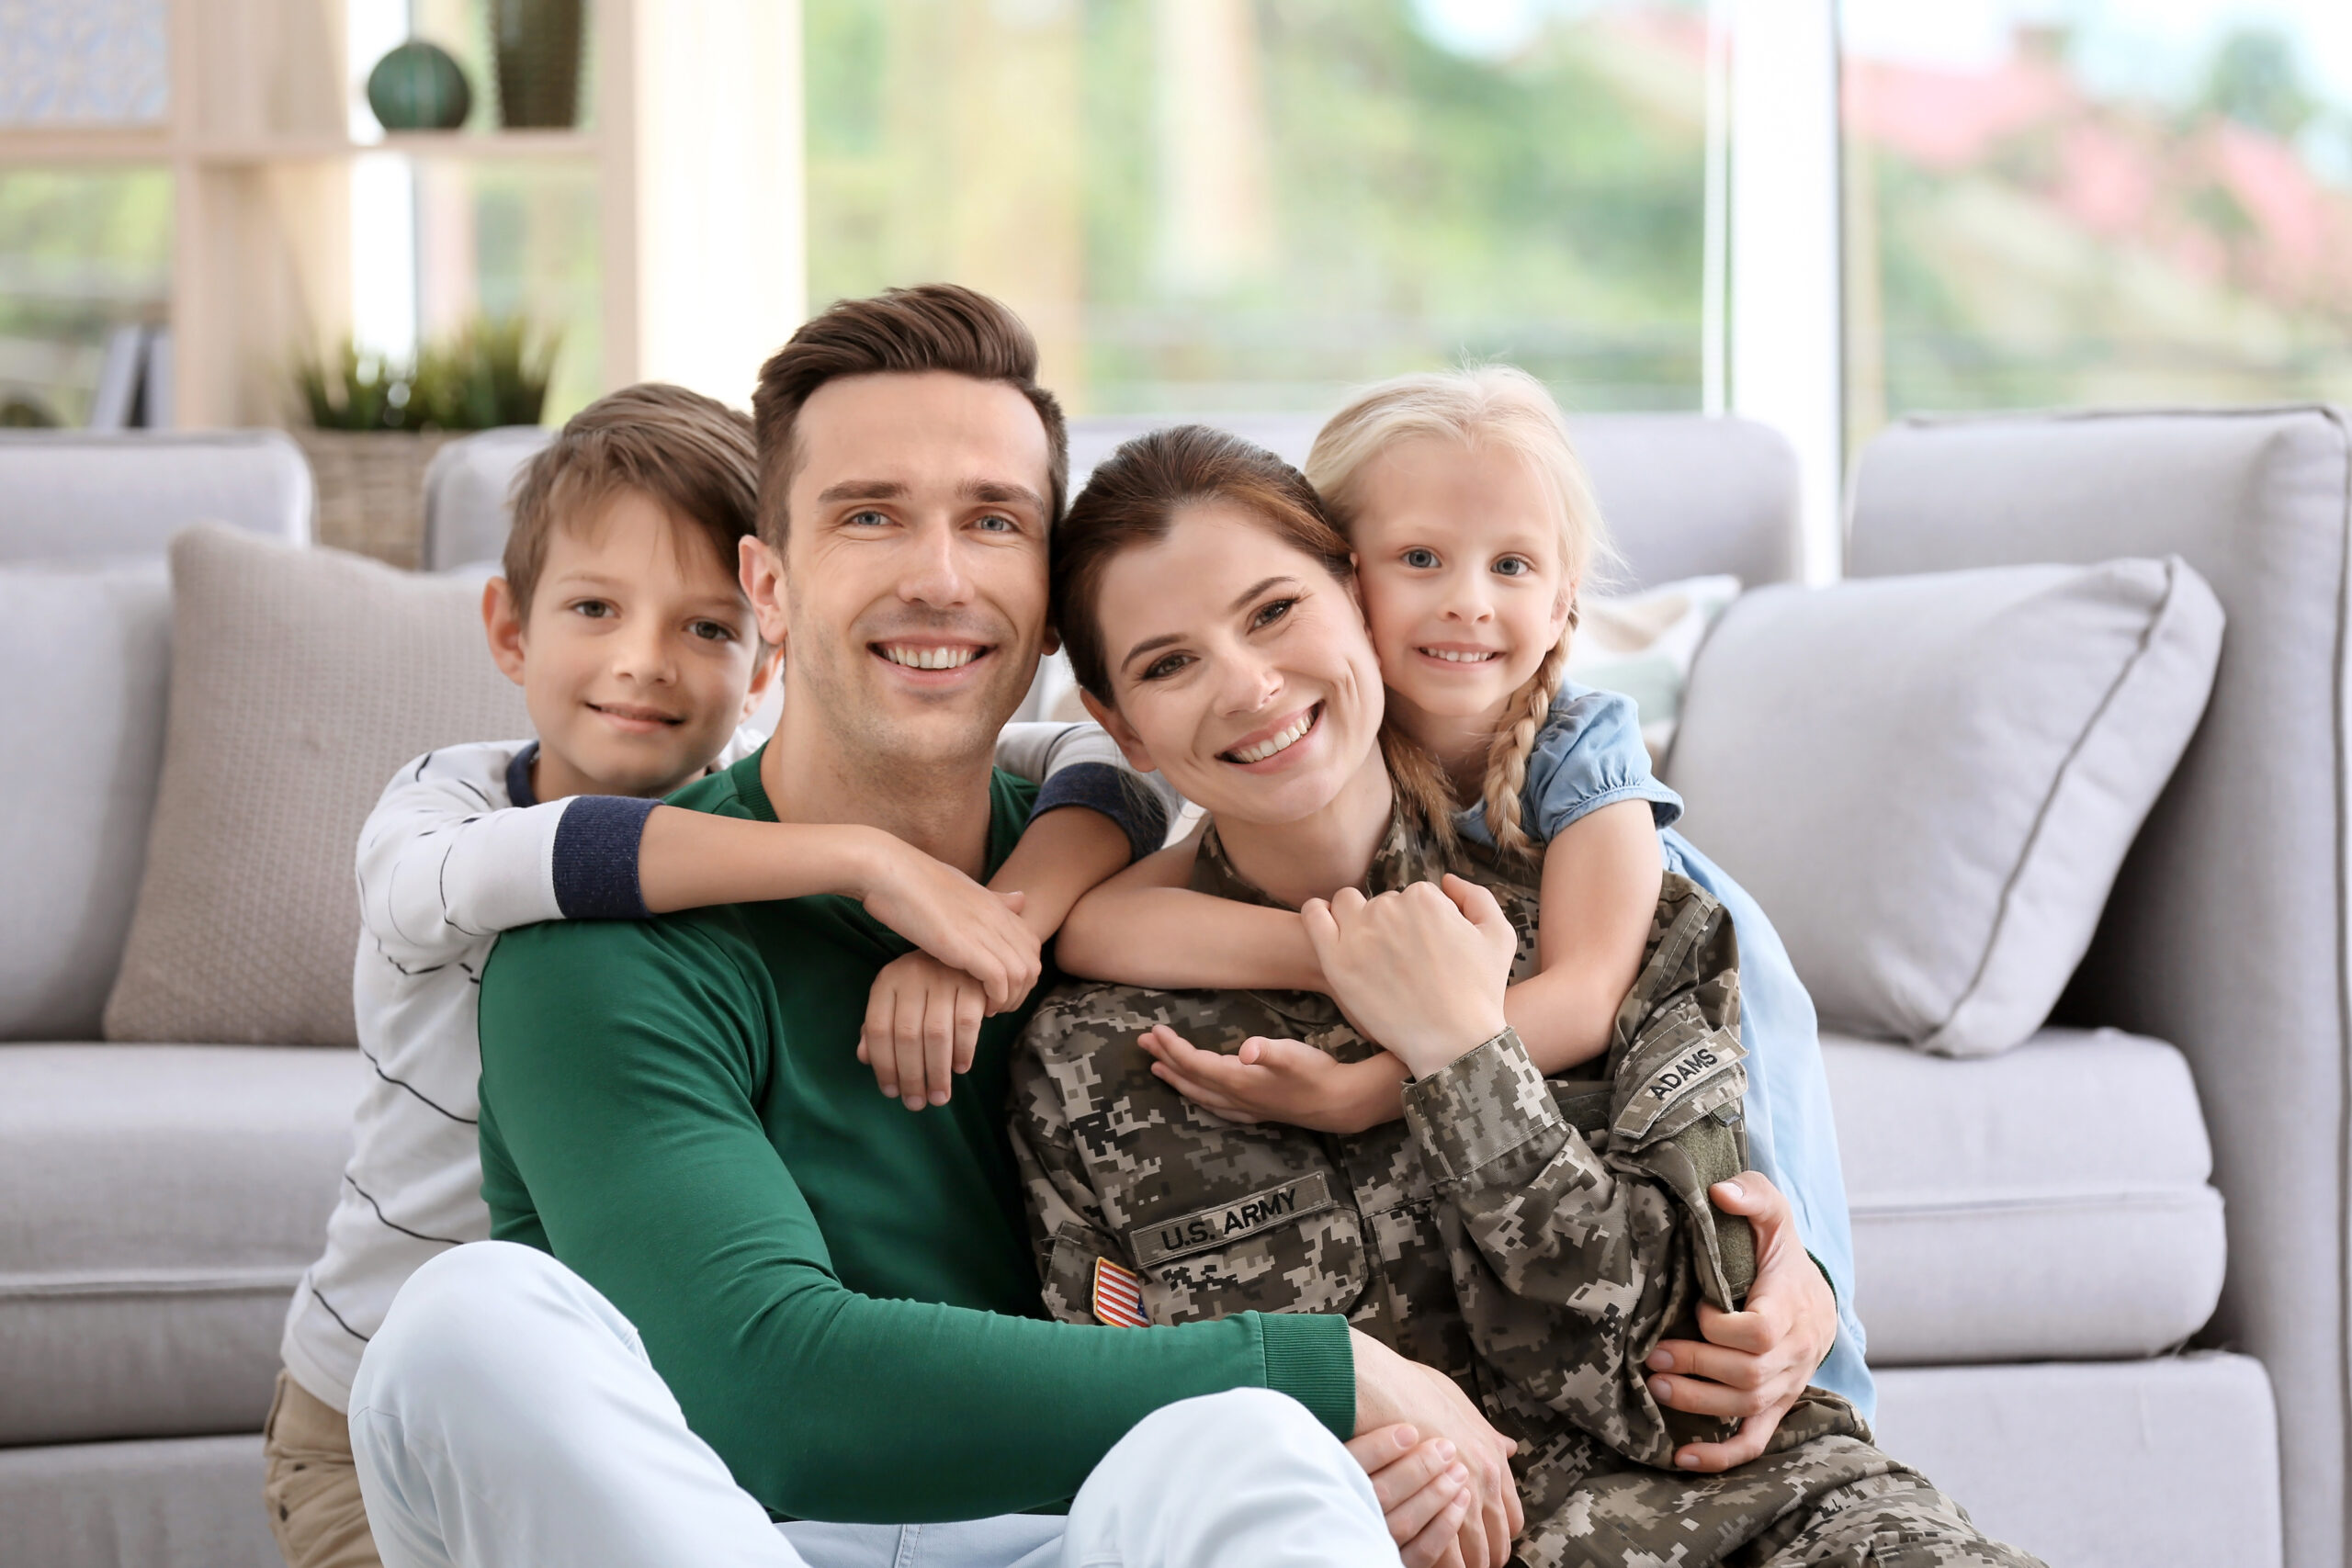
<point>1930,781</point>
<point>1643,645</point>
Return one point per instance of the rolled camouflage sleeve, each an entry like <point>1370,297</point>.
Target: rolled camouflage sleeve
<point>1566,1269</point>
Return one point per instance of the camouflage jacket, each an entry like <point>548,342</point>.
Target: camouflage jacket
<point>1533,1240</point>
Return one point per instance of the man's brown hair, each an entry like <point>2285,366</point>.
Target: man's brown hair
<point>933,326</point>
<point>692,455</point>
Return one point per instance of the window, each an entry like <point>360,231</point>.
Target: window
<point>1220,205</point>
<point>2095,204</point>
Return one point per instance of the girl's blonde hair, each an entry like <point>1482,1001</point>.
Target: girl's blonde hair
<point>1494,408</point>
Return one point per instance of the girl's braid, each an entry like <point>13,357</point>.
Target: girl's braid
<point>1507,754</point>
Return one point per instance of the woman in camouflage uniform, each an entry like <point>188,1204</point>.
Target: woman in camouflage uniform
<point>1533,1241</point>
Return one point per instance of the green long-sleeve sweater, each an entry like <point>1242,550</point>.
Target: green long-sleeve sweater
<point>840,1292</point>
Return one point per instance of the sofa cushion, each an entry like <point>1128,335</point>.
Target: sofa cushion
<point>71,840</point>
<point>1930,781</point>
<point>300,679</point>
<point>75,495</point>
<point>157,1205</point>
<point>2051,1202</point>
<point>2168,1463</point>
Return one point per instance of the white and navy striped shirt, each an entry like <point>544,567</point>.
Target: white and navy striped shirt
<point>458,850</point>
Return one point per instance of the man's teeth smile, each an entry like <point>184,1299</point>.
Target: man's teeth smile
<point>1282,740</point>
<point>1464,656</point>
<point>927,658</point>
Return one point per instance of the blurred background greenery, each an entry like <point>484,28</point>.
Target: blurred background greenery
<point>1208,205</point>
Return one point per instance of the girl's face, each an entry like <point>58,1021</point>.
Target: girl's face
<point>1465,585</point>
<point>1239,668</point>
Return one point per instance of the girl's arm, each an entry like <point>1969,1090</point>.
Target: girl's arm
<point>1601,876</point>
<point>1145,927</point>
<point>1600,888</point>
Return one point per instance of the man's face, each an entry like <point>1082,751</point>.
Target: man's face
<point>913,594</point>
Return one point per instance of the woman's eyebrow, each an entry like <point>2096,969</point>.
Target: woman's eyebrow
<point>1149,645</point>
<point>1241,599</point>
<point>1240,602</point>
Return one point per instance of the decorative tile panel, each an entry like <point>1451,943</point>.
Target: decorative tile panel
<point>70,62</point>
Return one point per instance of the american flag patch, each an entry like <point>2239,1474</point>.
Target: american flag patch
<point>1118,1296</point>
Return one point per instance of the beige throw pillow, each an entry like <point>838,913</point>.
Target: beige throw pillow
<point>300,679</point>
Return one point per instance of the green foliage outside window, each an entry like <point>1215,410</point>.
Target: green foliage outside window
<point>1326,194</point>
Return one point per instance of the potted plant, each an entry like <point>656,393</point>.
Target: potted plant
<point>375,423</point>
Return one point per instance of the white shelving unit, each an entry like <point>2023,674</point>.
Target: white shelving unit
<point>693,139</point>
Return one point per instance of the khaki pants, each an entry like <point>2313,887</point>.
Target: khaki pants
<point>309,1485</point>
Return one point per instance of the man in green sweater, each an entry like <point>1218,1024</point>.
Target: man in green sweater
<point>749,1285</point>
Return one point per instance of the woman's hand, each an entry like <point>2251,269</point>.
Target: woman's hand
<point>955,920</point>
<point>1421,971</point>
<point>1754,1363</point>
<point>1424,1492</point>
<point>1391,1391</point>
<point>1279,1080</point>
<point>923,1023</point>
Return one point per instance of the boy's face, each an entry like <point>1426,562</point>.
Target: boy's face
<point>637,655</point>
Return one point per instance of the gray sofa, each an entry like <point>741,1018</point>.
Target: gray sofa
<point>2038,1234</point>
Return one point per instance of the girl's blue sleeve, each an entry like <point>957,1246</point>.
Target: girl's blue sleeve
<point>1587,755</point>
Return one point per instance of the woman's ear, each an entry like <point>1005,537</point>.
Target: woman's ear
<point>1130,745</point>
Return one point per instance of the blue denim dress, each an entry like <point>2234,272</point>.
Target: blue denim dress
<point>1589,754</point>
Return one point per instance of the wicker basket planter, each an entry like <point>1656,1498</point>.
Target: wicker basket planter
<point>371,490</point>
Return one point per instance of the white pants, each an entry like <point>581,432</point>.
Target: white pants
<point>506,1414</point>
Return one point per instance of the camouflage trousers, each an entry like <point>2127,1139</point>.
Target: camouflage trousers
<point>1820,1495</point>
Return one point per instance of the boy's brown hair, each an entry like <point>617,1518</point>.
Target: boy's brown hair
<point>933,326</point>
<point>693,455</point>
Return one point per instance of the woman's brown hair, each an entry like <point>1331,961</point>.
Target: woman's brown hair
<point>1132,499</point>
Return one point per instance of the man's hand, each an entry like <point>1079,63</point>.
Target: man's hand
<point>923,1023</point>
<point>1279,1080</point>
<point>1421,970</point>
<point>1424,1492</point>
<point>1752,1364</point>
<point>1391,1391</point>
<point>955,920</point>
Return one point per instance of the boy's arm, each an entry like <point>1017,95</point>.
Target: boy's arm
<point>1600,886</point>
<point>924,1013</point>
<point>442,865</point>
<point>1078,764</point>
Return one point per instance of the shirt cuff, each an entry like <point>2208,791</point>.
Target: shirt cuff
<point>596,858</point>
<point>1310,1357</point>
<point>1100,786</point>
<point>1481,1105</point>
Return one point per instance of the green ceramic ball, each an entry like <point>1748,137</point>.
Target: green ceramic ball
<point>419,87</point>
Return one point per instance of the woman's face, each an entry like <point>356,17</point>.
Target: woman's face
<point>1239,668</point>
<point>1459,561</point>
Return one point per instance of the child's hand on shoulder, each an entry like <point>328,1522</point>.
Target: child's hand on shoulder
<point>962,924</point>
<point>1280,1080</point>
<point>923,1023</point>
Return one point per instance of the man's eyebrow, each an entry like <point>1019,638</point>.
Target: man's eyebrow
<point>861,489</point>
<point>1152,644</point>
<point>1001,493</point>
